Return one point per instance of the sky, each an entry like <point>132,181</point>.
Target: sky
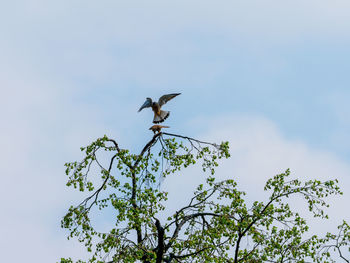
<point>271,77</point>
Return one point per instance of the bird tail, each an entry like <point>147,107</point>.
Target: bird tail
<point>161,117</point>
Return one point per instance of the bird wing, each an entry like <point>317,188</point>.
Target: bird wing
<point>165,98</point>
<point>147,104</point>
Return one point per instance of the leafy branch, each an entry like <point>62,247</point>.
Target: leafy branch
<point>215,226</point>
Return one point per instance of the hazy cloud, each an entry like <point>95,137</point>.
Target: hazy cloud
<point>258,152</point>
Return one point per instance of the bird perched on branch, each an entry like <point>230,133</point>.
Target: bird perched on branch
<point>157,128</point>
<point>159,115</point>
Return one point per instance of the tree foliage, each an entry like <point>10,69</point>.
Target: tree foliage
<point>217,224</point>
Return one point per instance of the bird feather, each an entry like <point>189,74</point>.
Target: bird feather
<point>147,104</point>
<point>165,98</point>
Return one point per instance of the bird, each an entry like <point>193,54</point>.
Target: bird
<point>159,115</point>
<point>157,128</point>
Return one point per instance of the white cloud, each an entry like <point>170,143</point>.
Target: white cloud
<point>106,41</point>
<point>42,129</point>
<point>132,21</point>
<point>258,152</point>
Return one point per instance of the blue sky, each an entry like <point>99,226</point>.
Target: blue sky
<point>270,76</point>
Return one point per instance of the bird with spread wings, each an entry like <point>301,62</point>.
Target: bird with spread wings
<point>159,115</point>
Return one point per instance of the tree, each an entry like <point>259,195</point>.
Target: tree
<point>216,225</point>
